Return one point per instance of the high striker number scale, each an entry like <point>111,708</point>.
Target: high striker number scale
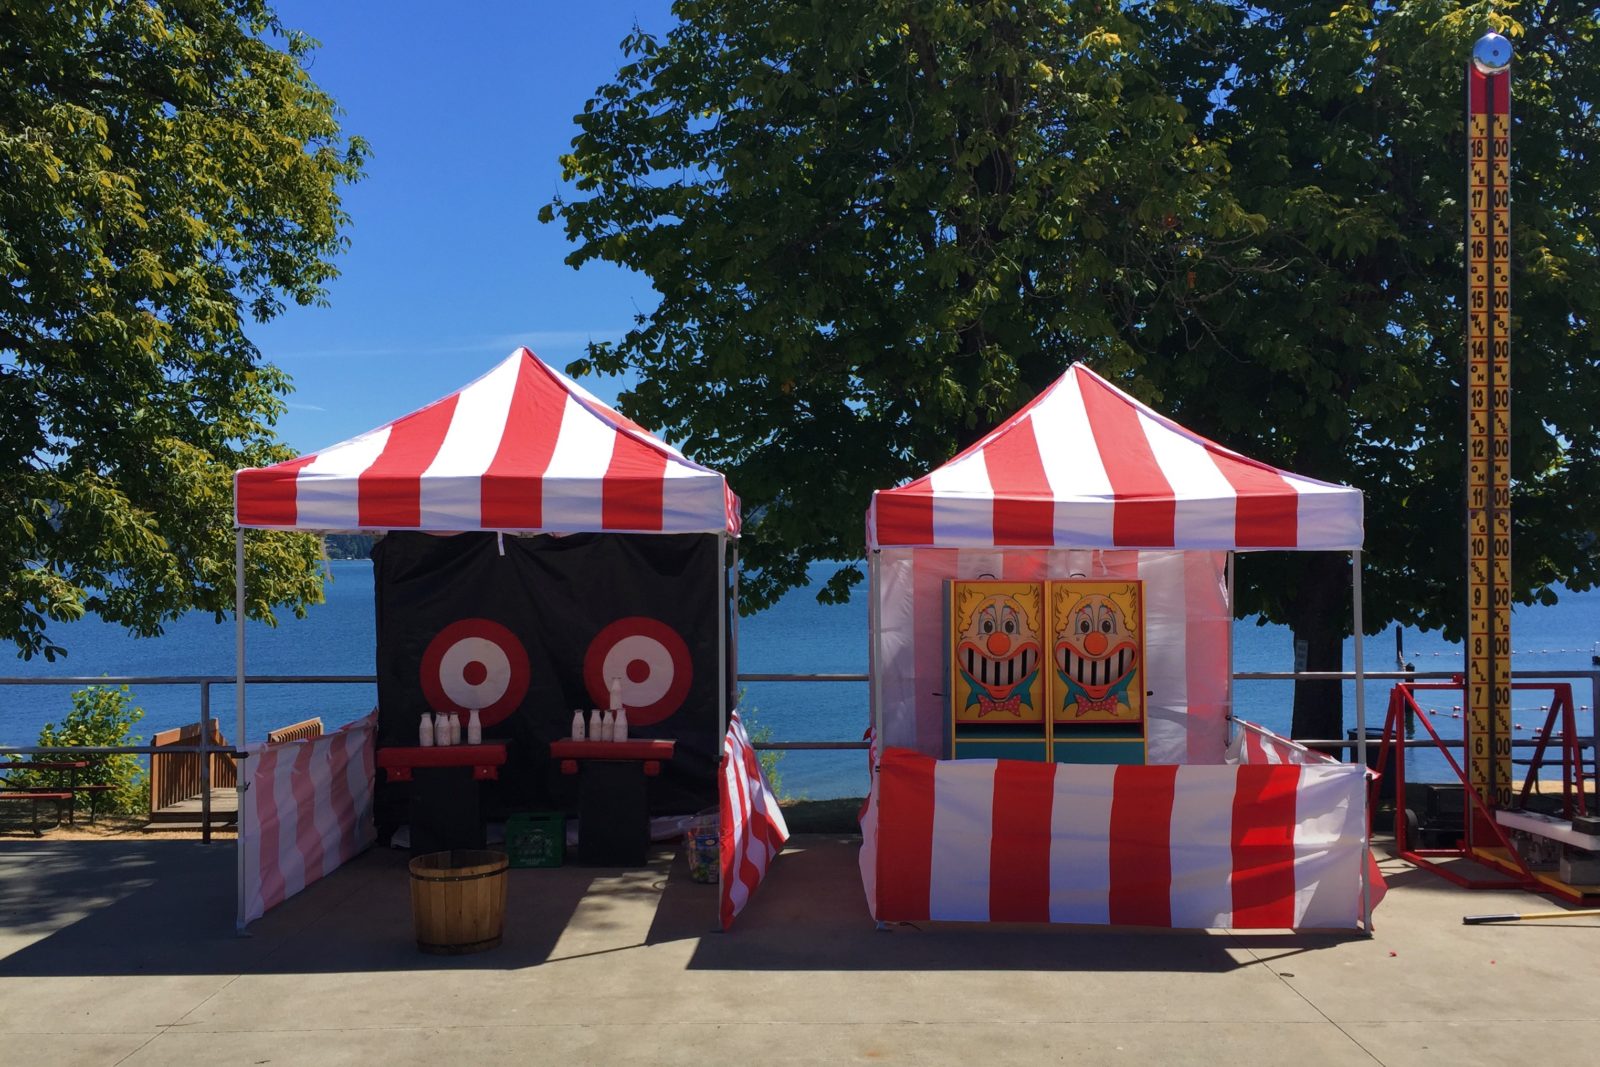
<point>1488,248</point>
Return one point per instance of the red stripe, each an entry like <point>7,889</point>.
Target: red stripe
<point>1254,747</point>
<point>1479,88</point>
<point>1019,843</point>
<point>266,495</point>
<point>905,516</point>
<point>1024,507</point>
<point>303,824</point>
<point>632,494</point>
<point>1266,509</point>
<point>726,852</point>
<point>905,836</point>
<point>1263,846</point>
<point>1141,845</point>
<point>389,492</point>
<point>1146,509</point>
<point>341,800</point>
<point>512,488</point>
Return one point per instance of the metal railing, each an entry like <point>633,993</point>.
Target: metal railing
<point>205,749</point>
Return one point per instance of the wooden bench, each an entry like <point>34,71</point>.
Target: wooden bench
<point>36,795</point>
<point>300,731</point>
<point>71,787</point>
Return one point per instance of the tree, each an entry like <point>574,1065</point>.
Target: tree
<point>877,229</point>
<point>168,170</point>
<point>1341,335</point>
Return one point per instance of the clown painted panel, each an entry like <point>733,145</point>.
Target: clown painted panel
<point>1097,649</point>
<point>997,647</point>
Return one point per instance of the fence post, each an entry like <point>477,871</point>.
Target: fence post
<point>205,762</point>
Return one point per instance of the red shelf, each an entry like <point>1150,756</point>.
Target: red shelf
<point>652,753</point>
<point>485,760</point>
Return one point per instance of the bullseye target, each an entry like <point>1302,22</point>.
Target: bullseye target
<point>651,659</point>
<point>475,663</point>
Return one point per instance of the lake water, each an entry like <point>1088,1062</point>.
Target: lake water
<point>796,636</point>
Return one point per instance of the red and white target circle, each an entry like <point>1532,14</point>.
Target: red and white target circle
<point>475,663</point>
<point>652,661</point>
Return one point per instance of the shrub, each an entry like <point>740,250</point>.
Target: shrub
<point>102,717</point>
<point>768,758</point>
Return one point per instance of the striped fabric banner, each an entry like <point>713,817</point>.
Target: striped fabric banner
<point>307,808</point>
<point>753,830</point>
<point>523,448</point>
<point>1169,846</point>
<point>1085,465</point>
<point>1258,745</point>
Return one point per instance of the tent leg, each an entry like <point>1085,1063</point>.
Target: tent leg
<point>733,614</point>
<point>238,707</point>
<point>1361,737</point>
<point>1231,563</point>
<point>722,641</point>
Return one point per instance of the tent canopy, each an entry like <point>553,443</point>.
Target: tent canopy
<point>1085,465</point>
<point>522,449</point>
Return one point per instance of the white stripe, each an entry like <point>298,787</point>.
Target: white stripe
<point>326,489</point>
<point>963,503</point>
<point>869,845</point>
<point>1201,846</point>
<point>1330,818</point>
<point>1166,656</point>
<point>1206,504</point>
<point>1080,844</point>
<point>577,466</point>
<point>1330,516</point>
<point>963,826</point>
<point>452,491</point>
<point>692,501</point>
<point>1084,498</point>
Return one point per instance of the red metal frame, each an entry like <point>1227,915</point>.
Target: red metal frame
<point>1401,701</point>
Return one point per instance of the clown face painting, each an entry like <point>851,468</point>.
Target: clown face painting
<point>997,647</point>
<point>1098,652</point>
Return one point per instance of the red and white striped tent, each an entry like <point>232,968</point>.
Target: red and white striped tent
<point>523,449</point>
<point>1087,482</point>
<point>1085,465</point>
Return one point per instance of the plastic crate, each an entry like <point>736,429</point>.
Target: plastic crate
<point>536,839</point>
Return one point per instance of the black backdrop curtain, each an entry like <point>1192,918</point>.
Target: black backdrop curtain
<point>466,618</point>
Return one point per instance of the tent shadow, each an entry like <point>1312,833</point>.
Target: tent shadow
<point>150,907</point>
<point>123,907</point>
<point>811,915</point>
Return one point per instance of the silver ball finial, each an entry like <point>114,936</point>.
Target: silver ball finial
<point>1491,54</point>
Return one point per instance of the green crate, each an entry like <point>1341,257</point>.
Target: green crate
<point>536,839</point>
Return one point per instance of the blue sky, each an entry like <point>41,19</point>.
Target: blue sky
<point>467,108</point>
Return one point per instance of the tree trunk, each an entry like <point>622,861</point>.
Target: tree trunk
<point>1319,618</point>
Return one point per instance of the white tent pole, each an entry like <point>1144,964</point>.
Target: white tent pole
<point>238,707</point>
<point>733,610</point>
<point>1231,563</point>
<point>1361,738</point>
<point>722,641</point>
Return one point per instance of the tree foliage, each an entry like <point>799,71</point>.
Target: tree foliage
<point>877,228</point>
<point>168,172</point>
<point>100,717</point>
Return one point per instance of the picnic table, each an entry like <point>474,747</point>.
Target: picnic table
<point>57,793</point>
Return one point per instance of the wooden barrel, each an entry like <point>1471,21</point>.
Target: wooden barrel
<point>458,900</point>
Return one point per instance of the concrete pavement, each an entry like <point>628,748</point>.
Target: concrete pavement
<point>124,952</point>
